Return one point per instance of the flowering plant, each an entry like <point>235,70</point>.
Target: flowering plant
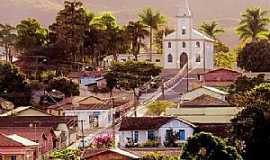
<point>103,141</point>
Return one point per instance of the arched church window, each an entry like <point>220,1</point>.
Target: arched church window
<point>198,58</point>
<point>198,44</point>
<point>170,58</point>
<point>183,30</point>
<point>169,45</point>
<point>184,44</point>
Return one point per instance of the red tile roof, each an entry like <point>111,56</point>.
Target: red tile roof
<point>41,121</point>
<point>206,101</point>
<point>30,133</point>
<point>143,123</point>
<point>7,142</point>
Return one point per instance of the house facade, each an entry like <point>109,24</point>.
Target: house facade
<point>187,45</point>
<point>17,148</point>
<point>140,130</point>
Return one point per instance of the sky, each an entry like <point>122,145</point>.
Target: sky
<point>225,12</point>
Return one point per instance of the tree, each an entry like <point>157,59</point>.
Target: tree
<point>131,75</point>
<point>158,107</point>
<point>31,36</point>
<point>255,56</point>
<point>65,154</point>
<point>137,32</point>
<point>208,147</point>
<point>225,60</point>
<point>211,29</point>
<point>111,82</point>
<point>8,39</point>
<point>114,34</point>
<point>13,85</point>
<point>253,24</point>
<point>64,85</point>
<point>158,37</point>
<point>68,32</point>
<point>153,20</point>
<point>251,127</point>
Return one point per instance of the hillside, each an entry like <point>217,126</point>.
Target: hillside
<point>226,12</point>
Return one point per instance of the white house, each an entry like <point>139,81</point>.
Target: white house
<point>187,45</point>
<point>140,130</point>
<point>92,111</point>
<point>204,90</point>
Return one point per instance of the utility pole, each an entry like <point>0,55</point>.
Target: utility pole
<point>162,89</point>
<point>82,134</point>
<point>113,123</point>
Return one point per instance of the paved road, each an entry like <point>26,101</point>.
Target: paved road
<point>173,92</point>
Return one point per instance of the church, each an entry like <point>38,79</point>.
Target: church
<point>187,45</point>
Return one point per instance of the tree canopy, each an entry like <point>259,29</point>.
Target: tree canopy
<point>255,56</point>
<point>253,24</point>
<point>13,85</point>
<point>158,107</point>
<point>211,29</point>
<point>208,147</point>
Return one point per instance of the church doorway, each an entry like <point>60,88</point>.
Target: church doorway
<point>183,59</point>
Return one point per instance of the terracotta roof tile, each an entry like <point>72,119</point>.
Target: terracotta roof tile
<point>206,101</point>
<point>143,123</point>
<point>8,142</point>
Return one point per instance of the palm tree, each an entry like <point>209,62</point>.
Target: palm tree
<point>137,32</point>
<point>212,29</point>
<point>158,37</point>
<point>7,39</point>
<point>253,24</point>
<point>153,20</point>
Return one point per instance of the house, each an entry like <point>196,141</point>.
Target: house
<point>108,154</point>
<point>91,112</point>
<point>25,111</point>
<point>205,101</point>
<point>204,90</point>
<point>64,127</point>
<point>44,136</point>
<point>140,130</point>
<point>214,119</point>
<point>220,77</point>
<point>187,45</point>
<point>17,147</point>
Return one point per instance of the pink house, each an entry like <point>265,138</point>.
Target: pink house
<point>220,77</point>
<point>44,136</point>
<point>15,147</point>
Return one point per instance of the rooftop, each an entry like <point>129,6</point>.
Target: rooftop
<point>8,142</point>
<point>22,140</point>
<point>146,123</point>
<point>205,101</point>
<point>94,152</point>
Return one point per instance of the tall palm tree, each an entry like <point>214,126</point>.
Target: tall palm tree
<point>137,32</point>
<point>253,24</point>
<point>212,29</point>
<point>153,20</point>
<point>7,39</point>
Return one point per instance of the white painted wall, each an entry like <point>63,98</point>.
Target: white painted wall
<point>104,119</point>
<point>176,125</point>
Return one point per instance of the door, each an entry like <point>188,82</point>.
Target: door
<point>183,59</point>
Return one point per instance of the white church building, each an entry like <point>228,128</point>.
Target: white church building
<point>187,45</point>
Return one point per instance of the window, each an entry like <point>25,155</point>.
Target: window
<point>169,45</point>
<point>124,60</point>
<point>183,30</point>
<point>182,135</point>
<point>157,60</point>
<point>198,58</point>
<point>198,44</point>
<point>184,44</point>
<point>170,58</point>
<point>151,135</point>
<point>13,157</point>
<point>135,136</point>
